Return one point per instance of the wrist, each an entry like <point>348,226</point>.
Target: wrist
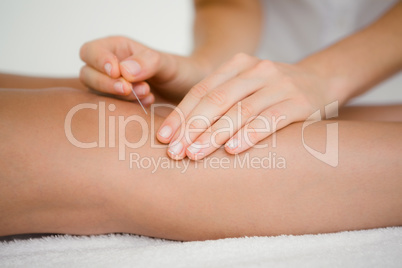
<point>178,74</point>
<point>203,63</point>
<point>336,87</point>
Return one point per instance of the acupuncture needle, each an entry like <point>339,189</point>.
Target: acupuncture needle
<point>138,100</point>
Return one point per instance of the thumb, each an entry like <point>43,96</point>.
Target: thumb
<point>141,66</point>
<point>147,64</point>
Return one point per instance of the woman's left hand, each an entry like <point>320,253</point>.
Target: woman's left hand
<point>241,103</point>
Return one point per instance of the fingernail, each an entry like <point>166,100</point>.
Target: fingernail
<point>232,144</point>
<point>140,90</point>
<point>176,149</point>
<point>118,86</point>
<point>108,68</point>
<point>165,132</point>
<point>194,148</point>
<point>148,100</point>
<point>132,67</point>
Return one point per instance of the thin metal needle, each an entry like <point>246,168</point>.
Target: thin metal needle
<point>138,100</point>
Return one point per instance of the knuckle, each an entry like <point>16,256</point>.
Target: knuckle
<point>266,66</point>
<point>221,132</point>
<point>97,84</point>
<point>199,90</point>
<point>157,57</point>
<point>302,100</point>
<point>100,63</point>
<point>271,114</point>
<point>216,97</point>
<point>82,74</point>
<point>246,109</point>
<point>196,124</point>
<point>287,82</point>
<point>241,57</point>
<point>218,137</point>
<point>174,120</point>
<point>177,115</point>
<point>193,125</point>
<point>153,57</point>
<point>222,125</point>
<point>116,38</point>
<point>83,51</point>
<point>258,79</point>
<point>251,135</point>
<point>276,120</point>
<point>214,129</point>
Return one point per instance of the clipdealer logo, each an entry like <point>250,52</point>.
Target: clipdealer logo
<point>331,155</point>
<point>121,125</point>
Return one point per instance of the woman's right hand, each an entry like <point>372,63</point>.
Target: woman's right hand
<point>116,64</point>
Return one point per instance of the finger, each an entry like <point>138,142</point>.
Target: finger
<point>227,71</point>
<point>142,65</point>
<point>101,82</point>
<point>268,122</point>
<point>142,89</point>
<point>212,106</point>
<point>226,126</point>
<point>148,100</point>
<point>100,56</point>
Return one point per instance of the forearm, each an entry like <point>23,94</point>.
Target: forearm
<point>360,61</point>
<point>33,82</point>
<point>223,28</point>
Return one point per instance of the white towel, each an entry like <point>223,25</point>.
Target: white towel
<point>367,248</point>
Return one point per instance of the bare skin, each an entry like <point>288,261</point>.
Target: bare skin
<point>221,72</point>
<point>47,185</point>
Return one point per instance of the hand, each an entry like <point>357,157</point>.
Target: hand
<point>241,103</point>
<point>114,65</point>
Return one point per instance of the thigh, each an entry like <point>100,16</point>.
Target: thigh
<point>57,186</point>
<point>390,113</point>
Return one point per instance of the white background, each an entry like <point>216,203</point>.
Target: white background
<point>43,37</point>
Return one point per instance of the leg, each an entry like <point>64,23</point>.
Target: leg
<point>49,185</point>
<point>390,113</point>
